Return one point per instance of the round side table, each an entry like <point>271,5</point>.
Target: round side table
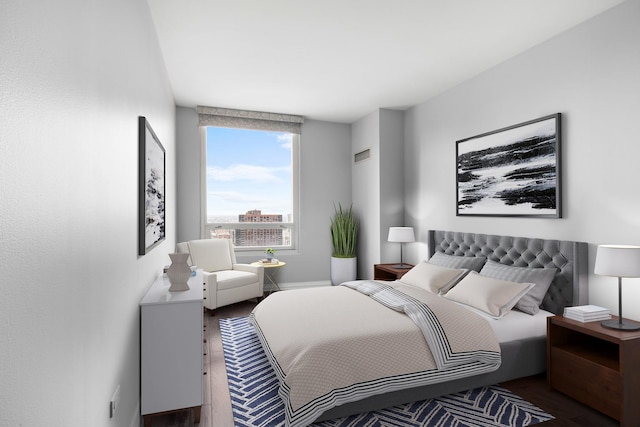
<point>270,272</point>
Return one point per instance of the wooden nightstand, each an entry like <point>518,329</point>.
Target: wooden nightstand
<point>595,365</point>
<point>388,272</point>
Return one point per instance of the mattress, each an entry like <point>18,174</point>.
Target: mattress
<point>520,326</point>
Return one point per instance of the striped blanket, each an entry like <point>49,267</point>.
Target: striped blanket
<point>334,345</point>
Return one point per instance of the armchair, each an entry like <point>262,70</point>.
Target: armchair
<point>225,281</point>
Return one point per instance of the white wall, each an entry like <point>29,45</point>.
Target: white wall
<point>75,76</point>
<point>391,182</point>
<point>366,191</point>
<point>188,165</point>
<point>378,186</point>
<point>590,75</point>
<point>325,178</point>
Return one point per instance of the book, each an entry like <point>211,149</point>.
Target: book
<point>584,309</point>
<point>587,319</point>
<point>587,313</point>
<point>591,316</point>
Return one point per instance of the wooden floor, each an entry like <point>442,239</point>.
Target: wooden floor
<point>216,411</point>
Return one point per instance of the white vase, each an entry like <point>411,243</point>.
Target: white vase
<point>343,270</point>
<point>179,272</point>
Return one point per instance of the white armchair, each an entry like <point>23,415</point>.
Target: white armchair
<point>225,281</point>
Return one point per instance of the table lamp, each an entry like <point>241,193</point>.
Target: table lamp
<point>618,261</point>
<point>401,235</point>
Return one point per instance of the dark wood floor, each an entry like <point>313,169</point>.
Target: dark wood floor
<point>216,411</point>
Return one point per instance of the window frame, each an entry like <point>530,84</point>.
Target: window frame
<point>294,226</point>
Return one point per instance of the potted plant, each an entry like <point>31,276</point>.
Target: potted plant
<point>344,235</point>
<point>270,252</point>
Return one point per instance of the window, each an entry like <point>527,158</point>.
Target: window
<point>251,187</point>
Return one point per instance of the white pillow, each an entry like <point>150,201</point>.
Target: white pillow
<point>493,296</point>
<point>433,278</point>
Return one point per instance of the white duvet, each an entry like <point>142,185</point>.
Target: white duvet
<point>329,346</point>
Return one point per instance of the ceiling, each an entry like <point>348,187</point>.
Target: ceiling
<point>339,60</point>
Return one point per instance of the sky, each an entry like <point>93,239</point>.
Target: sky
<point>246,170</point>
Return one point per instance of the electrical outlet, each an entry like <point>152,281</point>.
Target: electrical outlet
<point>115,402</point>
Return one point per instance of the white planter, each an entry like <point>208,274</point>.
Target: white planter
<point>343,270</point>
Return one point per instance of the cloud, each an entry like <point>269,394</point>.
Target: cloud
<point>242,172</point>
<point>286,140</point>
<point>235,197</point>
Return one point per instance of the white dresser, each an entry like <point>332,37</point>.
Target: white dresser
<point>171,350</point>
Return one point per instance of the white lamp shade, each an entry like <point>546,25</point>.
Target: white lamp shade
<point>618,261</point>
<point>401,234</point>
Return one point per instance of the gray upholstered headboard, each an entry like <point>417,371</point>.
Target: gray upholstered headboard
<point>569,287</point>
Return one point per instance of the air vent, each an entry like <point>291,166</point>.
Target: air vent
<point>363,155</point>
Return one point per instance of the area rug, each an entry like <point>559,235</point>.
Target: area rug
<point>255,402</point>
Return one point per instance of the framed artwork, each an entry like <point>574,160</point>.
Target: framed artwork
<point>151,188</point>
<point>514,171</point>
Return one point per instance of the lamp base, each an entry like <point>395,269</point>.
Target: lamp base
<point>623,325</point>
<point>401,266</point>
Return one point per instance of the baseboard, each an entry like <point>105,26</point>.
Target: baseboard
<point>298,285</point>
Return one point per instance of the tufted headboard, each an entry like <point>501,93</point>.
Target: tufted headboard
<point>569,287</point>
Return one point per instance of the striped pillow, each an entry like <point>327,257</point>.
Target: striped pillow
<point>452,261</point>
<point>542,277</point>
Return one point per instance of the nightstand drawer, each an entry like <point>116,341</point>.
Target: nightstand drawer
<point>568,373</point>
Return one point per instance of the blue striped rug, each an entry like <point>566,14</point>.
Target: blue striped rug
<point>255,401</point>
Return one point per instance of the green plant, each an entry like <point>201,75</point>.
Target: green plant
<point>270,251</point>
<point>344,232</point>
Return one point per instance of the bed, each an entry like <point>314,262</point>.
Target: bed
<point>565,262</point>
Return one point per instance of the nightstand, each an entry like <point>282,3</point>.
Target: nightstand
<point>388,272</point>
<point>600,367</point>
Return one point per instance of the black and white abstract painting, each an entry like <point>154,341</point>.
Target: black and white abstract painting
<point>514,171</point>
<point>151,227</point>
